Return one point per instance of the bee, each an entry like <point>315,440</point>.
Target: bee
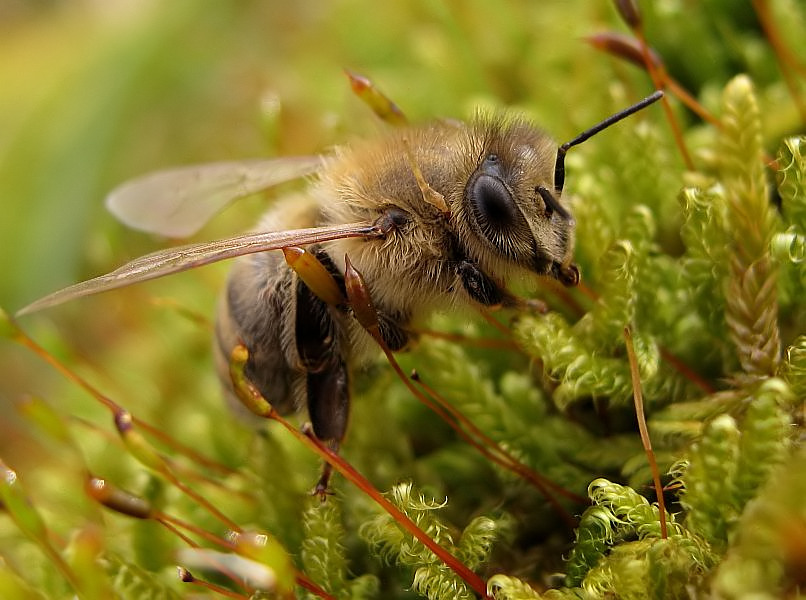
<point>435,217</point>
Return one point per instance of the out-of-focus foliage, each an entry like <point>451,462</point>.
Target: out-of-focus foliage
<point>706,266</point>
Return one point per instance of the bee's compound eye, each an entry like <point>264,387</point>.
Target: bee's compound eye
<point>492,204</point>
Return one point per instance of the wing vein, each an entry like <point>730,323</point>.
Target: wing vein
<point>172,260</point>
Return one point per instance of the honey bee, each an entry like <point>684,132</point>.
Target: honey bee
<point>435,217</point>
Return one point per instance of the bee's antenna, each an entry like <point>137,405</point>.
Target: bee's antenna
<point>559,163</point>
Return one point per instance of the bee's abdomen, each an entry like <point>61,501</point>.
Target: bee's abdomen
<point>255,311</point>
<point>295,341</point>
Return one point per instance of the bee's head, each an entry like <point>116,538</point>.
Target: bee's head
<point>509,208</point>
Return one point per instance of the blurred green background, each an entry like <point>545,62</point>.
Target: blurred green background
<point>93,93</point>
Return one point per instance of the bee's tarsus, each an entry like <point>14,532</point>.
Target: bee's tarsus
<point>322,487</point>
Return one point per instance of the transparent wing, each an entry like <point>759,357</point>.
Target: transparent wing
<point>182,258</point>
<point>177,202</point>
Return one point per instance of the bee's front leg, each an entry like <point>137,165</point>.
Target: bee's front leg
<point>486,291</point>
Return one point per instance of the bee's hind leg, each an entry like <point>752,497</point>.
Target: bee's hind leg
<point>329,408</point>
<point>319,306</point>
<point>327,381</point>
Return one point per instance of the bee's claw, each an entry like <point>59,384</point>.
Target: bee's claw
<point>321,489</point>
